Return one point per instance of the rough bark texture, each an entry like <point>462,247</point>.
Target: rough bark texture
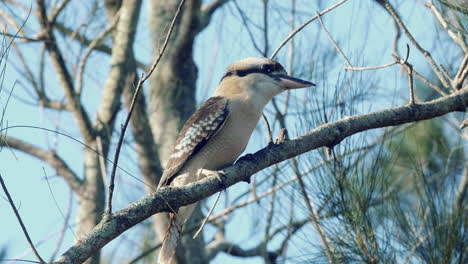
<point>172,96</point>
<point>172,91</point>
<point>326,135</point>
<point>92,202</point>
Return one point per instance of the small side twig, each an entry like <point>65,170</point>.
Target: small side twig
<point>294,32</point>
<point>410,84</point>
<point>409,70</point>
<point>208,215</point>
<point>333,41</point>
<point>455,36</point>
<point>90,49</point>
<point>143,78</point>
<point>313,216</point>
<point>413,41</point>
<point>461,73</point>
<point>270,137</point>
<point>23,227</point>
<point>351,68</point>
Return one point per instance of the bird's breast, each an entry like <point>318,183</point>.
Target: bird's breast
<point>226,146</point>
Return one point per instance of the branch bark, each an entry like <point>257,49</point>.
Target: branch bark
<point>325,135</point>
<point>208,10</point>
<point>64,76</point>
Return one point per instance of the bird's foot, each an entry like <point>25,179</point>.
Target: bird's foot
<point>222,179</point>
<point>218,174</point>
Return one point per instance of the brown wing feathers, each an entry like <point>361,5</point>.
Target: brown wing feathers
<point>200,127</point>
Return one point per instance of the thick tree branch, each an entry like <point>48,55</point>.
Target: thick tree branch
<point>325,135</point>
<point>208,10</point>
<point>56,12</point>
<point>132,105</point>
<point>237,251</point>
<point>64,76</point>
<point>120,69</point>
<point>51,158</point>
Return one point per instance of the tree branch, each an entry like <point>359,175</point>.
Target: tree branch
<point>457,37</point>
<point>325,135</point>
<point>235,250</point>
<point>132,105</point>
<point>413,41</point>
<point>64,76</point>
<point>23,227</point>
<point>208,10</point>
<point>303,26</point>
<point>51,158</point>
<point>120,69</point>
<point>83,40</point>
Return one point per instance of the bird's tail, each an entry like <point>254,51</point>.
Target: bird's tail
<point>176,224</point>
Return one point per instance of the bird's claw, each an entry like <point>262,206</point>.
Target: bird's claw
<point>222,179</point>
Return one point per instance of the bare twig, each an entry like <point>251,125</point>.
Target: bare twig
<point>350,68</point>
<point>267,124</point>
<point>64,75</point>
<point>428,83</point>
<point>313,216</point>
<point>56,12</point>
<point>410,84</point>
<point>333,41</point>
<point>83,40</point>
<point>23,227</point>
<point>424,52</point>
<point>132,106</point>
<point>455,36</point>
<point>90,49</point>
<point>461,73</point>
<point>51,158</point>
<point>66,219</point>
<point>409,70</point>
<point>273,55</point>
<point>8,143</point>
<point>249,32</point>
<point>207,216</point>
<point>20,260</point>
<point>265,28</point>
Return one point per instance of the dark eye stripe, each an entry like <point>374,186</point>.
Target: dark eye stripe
<point>265,69</point>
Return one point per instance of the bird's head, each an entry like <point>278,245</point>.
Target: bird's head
<point>258,77</point>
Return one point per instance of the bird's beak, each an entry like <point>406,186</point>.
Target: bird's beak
<point>292,83</point>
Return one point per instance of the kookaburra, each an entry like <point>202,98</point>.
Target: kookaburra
<point>217,133</point>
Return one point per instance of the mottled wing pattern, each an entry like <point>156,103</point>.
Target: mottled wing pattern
<point>200,127</point>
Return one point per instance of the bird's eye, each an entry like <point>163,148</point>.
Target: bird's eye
<point>267,68</point>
